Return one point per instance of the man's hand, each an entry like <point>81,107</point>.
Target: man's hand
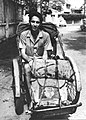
<point>30,62</point>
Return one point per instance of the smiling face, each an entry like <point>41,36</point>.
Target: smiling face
<point>35,23</point>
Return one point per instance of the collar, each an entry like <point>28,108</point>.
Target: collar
<point>40,36</point>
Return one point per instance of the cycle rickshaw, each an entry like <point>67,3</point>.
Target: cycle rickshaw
<point>52,79</point>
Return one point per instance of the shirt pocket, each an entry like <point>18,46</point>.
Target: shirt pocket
<point>40,50</point>
<point>29,50</point>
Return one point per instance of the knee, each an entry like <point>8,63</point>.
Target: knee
<point>27,68</point>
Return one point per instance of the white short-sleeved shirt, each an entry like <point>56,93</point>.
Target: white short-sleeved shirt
<point>38,46</point>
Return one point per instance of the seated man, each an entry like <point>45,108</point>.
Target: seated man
<point>34,42</point>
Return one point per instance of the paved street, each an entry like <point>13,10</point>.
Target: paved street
<point>75,46</point>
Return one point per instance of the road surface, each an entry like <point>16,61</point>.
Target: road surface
<point>75,46</point>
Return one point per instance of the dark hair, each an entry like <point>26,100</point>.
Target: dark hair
<point>35,14</point>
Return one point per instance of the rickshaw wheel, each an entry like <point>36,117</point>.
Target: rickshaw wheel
<point>18,100</point>
<point>19,108</point>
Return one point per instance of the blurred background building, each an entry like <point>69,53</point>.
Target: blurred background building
<point>13,11</point>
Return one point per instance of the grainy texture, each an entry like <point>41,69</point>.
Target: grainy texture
<point>74,45</point>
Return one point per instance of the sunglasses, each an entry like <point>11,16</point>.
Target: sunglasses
<point>35,22</point>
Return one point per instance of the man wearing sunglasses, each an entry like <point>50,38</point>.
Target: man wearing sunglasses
<point>34,42</point>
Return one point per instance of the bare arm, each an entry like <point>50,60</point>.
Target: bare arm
<point>25,56</point>
<point>48,47</point>
<point>22,46</point>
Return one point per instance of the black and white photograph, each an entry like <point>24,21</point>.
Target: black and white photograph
<point>42,60</point>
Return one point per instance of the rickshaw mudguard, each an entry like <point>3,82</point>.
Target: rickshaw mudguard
<point>55,111</point>
<point>16,77</point>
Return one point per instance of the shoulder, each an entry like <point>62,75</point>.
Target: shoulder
<point>25,32</point>
<point>45,33</point>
